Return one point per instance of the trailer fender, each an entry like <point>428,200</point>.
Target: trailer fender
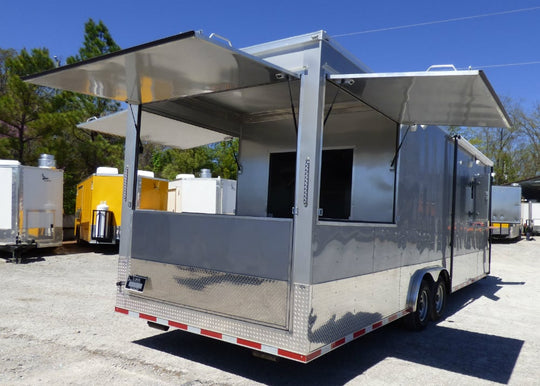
<point>431,273</point>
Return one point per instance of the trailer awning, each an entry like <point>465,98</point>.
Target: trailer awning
<point>183,65</point>
<point>156,129</point>
<point>444,98</point>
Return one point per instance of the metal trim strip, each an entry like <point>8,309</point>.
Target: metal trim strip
<point>154,43</point>
<point>303,358</point>
<point>468,282</point>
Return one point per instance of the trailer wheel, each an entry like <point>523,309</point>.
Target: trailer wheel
<point>438,303</point>
<point>419,319</point>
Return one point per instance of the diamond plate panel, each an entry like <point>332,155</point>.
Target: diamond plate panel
<point>294,339</point>
<point>320,314</point>
<point>239,296</point>
<point>342,307</point>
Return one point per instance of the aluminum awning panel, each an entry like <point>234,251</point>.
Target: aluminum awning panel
<point>182,65</point>
<point>444,98</point>
<point>156,129</point>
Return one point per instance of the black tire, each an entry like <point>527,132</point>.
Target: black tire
<point>438,300</point>
<point>419,319</point>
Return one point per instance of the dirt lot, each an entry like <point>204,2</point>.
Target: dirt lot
<point>58,327</point>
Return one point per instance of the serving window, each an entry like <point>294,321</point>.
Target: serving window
<point>336,182</point>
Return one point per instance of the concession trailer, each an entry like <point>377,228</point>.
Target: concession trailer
<point>353,209</point>
<point>31,205</point>
<point>506,212</point>
<point>98,205</point>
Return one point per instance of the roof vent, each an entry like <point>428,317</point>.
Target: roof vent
<point>205,173</point>
<point>184,176</point>
<point>106,171</point>
<point>145,173</point>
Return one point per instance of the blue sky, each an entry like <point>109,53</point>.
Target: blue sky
<point>510,38</point>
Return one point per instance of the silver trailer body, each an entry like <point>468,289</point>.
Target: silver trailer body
<point>31,205</point>
<point>505,212</point>
<point>530,214</point>
<point>347,202</point>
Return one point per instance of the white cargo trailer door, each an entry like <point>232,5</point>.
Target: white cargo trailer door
<point>42,203</point>
<point>6,198</point>
<point>444,98</point>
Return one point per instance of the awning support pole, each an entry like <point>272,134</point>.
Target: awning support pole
<point>129,191</point>
<point>308,161</point>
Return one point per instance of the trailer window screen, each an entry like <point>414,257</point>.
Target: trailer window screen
<point>336,182</point>
<point>281,181</point>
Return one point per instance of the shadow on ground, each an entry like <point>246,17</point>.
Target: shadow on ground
<point>35,255</point>
<point>483,356</point>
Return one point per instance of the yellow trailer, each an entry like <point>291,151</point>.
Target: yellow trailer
<point>98,206</point>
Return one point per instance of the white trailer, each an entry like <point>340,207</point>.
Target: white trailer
<point>351,211</point>
<point>31,206</point>
<point>202,195</point>
<point>530,215</point>
<point>506,212</point>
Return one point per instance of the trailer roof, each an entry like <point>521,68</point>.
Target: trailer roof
<point>444,98</point>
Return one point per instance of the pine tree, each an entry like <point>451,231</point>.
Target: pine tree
<point>25,109</point>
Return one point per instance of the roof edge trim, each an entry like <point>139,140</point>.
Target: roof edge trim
<point>468,147</point>
<point>158,42</point>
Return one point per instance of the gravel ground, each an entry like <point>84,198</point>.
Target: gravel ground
<point>58,327</point>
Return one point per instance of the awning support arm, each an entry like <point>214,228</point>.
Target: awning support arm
<point>235,155</point>
<point>339,82</point>
<point>331,105</point>
<point>399,146</point>
<point>292,105</point>
<point>137,121</point>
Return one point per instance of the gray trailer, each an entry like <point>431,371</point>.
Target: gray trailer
<point>31,206</point>
<point>506,212</point>
<point>352,210</point>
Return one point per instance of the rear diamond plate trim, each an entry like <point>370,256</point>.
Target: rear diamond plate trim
<point>293,339</point>
<point>239,296</point>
